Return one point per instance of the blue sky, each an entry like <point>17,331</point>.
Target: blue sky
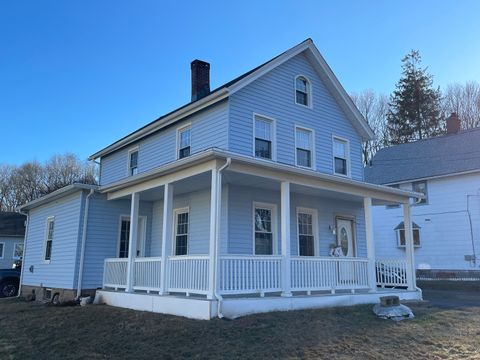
<point>77,75</point>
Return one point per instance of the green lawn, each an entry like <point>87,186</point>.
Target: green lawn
<point>36,331</point>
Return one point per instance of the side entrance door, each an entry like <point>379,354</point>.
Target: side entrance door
<point>125,233</point>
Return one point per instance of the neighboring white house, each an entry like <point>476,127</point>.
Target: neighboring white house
<point>447,222</point>
<point>231,204</point>
<point>12,232</point>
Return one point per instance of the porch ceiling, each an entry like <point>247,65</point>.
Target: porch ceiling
<point>240,179</point>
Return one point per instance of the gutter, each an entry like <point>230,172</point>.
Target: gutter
<point>217,232</point>
<point>24,252</point>
<point>84,240</point>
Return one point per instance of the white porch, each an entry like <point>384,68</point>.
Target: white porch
<point>200,285</point>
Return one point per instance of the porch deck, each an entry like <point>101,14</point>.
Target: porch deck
<point>249,284</point>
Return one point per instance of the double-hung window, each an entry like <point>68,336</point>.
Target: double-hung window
<point>304,147</point>
<point>340,156</point>
<point>184,142</point>
<point>181,231</point>
<point>263,218</point>
<point>306,232</point>
<point>302,91</point>
<point>133,162</point>
<point>49,239</point>
<point>263,137</point>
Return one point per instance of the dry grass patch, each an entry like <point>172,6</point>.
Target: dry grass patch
<point>34,331</point>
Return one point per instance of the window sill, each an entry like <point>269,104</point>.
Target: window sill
<point>304,106</point>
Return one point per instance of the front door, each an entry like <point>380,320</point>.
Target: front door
<point>345,237</point>
<point>124,237</point>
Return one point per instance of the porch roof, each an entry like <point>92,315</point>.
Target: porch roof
<point>262,168</point>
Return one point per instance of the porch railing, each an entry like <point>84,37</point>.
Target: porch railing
<point>316,273</point>
<point>188,274</point>
<point>147,274</point>
<point>241,274</point>
<point>391,273</point>
<point>115,273</point>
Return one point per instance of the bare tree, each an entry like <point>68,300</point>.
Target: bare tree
<point>374,109</point>
<point>463,99</point>
<point>63,170</point>
<point>29,181</point>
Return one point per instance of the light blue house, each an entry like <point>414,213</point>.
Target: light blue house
<point>229,205</point>
<point>12,232</point>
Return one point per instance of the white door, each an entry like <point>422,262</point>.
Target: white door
<point>345,237</point>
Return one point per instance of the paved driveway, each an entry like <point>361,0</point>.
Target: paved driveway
<point>452,298</point>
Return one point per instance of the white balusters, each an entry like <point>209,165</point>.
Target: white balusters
<point>391,273</point>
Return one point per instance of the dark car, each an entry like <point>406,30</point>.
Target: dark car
<point>9,281</point>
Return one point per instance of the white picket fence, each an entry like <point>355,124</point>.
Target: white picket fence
<point>115,273</point>
<point>317,273</point>
<point>188,274</point>
<point>250,274</point>
<point>148,274</point>
<point>391,273</point>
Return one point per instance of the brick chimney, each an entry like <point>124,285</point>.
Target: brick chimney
<point>200,79</point>
<point>453,124</point>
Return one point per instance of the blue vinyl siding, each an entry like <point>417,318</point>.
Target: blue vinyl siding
<point>103,235</point>
<point>240,217</point>
<point>272,95</point>
<point>60,272</point>
<point>209,129</point>
<point>6,261</point>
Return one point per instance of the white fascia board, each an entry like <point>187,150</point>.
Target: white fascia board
<point>159,124</point>
<point>217,153</point>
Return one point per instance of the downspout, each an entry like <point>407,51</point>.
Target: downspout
<point>217,234</point>
<point>24,252</point>
<point>84,240</point>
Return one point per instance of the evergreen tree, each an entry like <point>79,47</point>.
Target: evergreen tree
<point>414,112</point>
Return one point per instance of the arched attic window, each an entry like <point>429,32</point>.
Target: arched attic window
<point>400,231</point>
<point>303,91</point>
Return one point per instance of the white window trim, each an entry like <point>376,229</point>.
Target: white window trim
<point>347,144</point>
<point>14,246</point>
<point>177,140</point>
<point>312,151</point>
<point>130,151</point>
<point>273,208</point>
<point>49,219</point>
<point>309,92</point>
<point>316,237</point>
<point>177,211</point>
<point>274,136</point>
<point>3,250</point>
<point>404,246</point>
<point>127,217</point>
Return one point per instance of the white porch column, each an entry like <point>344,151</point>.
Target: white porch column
<point>166,235</point>
<point>132,240</point>
<point>285,236</point>
<point>213,228</point>
<point>407,221</point>
<point>367,209</point>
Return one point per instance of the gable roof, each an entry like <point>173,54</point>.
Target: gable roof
<point>439,156</point>
<point>12,224</point>
<point>229,88</point>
